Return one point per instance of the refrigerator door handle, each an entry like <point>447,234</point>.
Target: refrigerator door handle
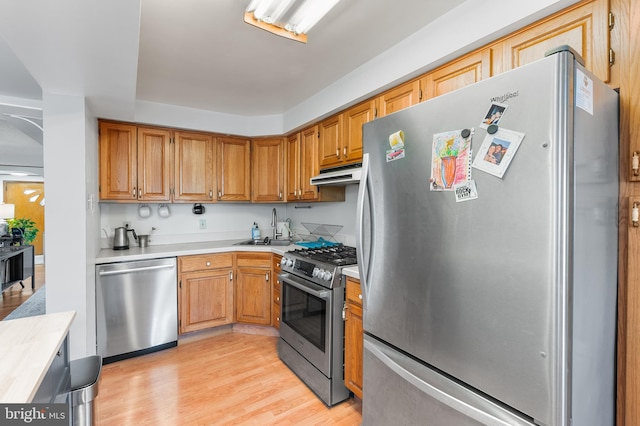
<point>482,412</point>
<point>363,192</point>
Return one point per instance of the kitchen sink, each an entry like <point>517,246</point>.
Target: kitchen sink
<point>264,242</point>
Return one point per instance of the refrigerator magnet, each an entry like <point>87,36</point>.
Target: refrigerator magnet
<point>465,191</point>
<point>497,151</point>
<point>450,159</point>
<point>494,114</point>
<point>395,154</point>
<point>396,140</point>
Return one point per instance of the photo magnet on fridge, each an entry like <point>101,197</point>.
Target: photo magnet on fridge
<point>497,151</point>
<point>494,114</point>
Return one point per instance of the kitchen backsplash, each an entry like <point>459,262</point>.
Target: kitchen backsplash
<point>227,221</point>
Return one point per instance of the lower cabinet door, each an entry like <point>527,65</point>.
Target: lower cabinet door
<point>207,299</point>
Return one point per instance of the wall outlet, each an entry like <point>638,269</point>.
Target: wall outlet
<point>203,223</point>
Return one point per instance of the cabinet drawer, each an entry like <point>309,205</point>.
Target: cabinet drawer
<point>205,262</point>
<point>276,316</point>
<point>275,263</point>
<point>353,292</point>
<point>276,292</point>
<point>260,260</point>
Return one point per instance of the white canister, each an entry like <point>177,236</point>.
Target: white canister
<point>282,228</point>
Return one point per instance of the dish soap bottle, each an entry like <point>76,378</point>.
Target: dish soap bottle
<point>255,232</point>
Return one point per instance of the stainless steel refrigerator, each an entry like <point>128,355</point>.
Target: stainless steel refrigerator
<point>490,291</point>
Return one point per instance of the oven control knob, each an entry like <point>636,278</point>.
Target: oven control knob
<point>289,262</point>
<point>283,261</point>
<point>327,276</point>
<point>316,272</point>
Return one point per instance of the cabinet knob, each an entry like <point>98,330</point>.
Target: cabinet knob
<point>360,296</point>
<point>133,193</point>
<point>338,152</point>
<point>210,194</point>
<point>345,151</point>
<point>219,194</point>
<point>278,299</point>
<point>208,263</point>
<point>280,195</point>
<point>139,193</point>
<point>266,276</point>
<point>635,163</point>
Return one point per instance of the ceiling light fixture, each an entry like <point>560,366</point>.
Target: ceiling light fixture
<point>287,18</point>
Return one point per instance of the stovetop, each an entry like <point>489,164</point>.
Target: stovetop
<point>322,266</point>
<point>340,255</point>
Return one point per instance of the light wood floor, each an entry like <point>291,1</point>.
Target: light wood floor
<point>16,295</point>
<point>229,379</point>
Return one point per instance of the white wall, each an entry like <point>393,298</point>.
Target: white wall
<point>226,221</point>
<point>70,158</point>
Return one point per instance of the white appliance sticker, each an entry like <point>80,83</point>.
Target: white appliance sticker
<point>584,92</point>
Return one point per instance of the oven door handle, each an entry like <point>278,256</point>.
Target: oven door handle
<point>299,284</point>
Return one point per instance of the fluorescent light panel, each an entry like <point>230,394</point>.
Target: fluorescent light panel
<point>287,16</point>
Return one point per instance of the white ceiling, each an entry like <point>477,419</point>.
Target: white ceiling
<point>196,53</point>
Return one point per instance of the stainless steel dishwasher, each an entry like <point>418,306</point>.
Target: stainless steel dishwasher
<point>136,308</point>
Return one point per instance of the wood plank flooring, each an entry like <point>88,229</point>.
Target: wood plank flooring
<point>16,295</point>
<point>228,379</point>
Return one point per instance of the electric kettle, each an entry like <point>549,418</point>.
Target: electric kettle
<point>121,239</point>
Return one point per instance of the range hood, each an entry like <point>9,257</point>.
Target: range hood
<point>341,176</point>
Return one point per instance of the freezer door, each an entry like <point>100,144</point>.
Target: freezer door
<point>421,396</point>
<point>480,289</point>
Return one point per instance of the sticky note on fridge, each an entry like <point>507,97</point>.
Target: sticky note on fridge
<point>396,140</point>
<point>465,191</point>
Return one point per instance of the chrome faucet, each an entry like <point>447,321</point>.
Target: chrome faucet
<point>274,224</point>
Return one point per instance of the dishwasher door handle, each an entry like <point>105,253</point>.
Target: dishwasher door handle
<point>141,269</point>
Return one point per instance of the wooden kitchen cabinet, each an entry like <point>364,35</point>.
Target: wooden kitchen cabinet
<point>353,337</point>
<point>353,120</point>
<point>457,74</point>
<point>253,288</point>
<point>330,141</point>
<point>398,98</point>
<point>277,287</point>
<point>195,167</point>
<point>135,163</point>
<point>303,164</point>
<point>234,169</point>
<point>205,291</point>
<point>584,27</point>
<point>268,170</point>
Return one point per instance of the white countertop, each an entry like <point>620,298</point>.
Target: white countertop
<point>183,249</point>
<point>351,271</point>
<point>28,348</point>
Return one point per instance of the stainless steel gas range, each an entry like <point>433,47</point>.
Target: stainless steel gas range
<point>311,328</point>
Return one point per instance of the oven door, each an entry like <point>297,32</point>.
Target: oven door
<point>306,320</point>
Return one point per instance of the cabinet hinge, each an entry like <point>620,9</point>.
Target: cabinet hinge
<point>612,57</point>
<point>612,21</point>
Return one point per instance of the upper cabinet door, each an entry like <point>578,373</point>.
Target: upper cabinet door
<point>585,28</point>
<point>234,169</point>
<point>293,167</point>
<point>194,164</point>
<point>330,142</point>
<point>154,164</point>
<point>352,122</point>
<point>309,164</point>
<point>455,75</point>
<point>399,98</point>
<point>118,162</point>
<point>268,170</point>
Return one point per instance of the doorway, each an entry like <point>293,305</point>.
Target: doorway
<point>28,198</point>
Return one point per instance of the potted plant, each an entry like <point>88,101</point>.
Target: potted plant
<point>27,226</point>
